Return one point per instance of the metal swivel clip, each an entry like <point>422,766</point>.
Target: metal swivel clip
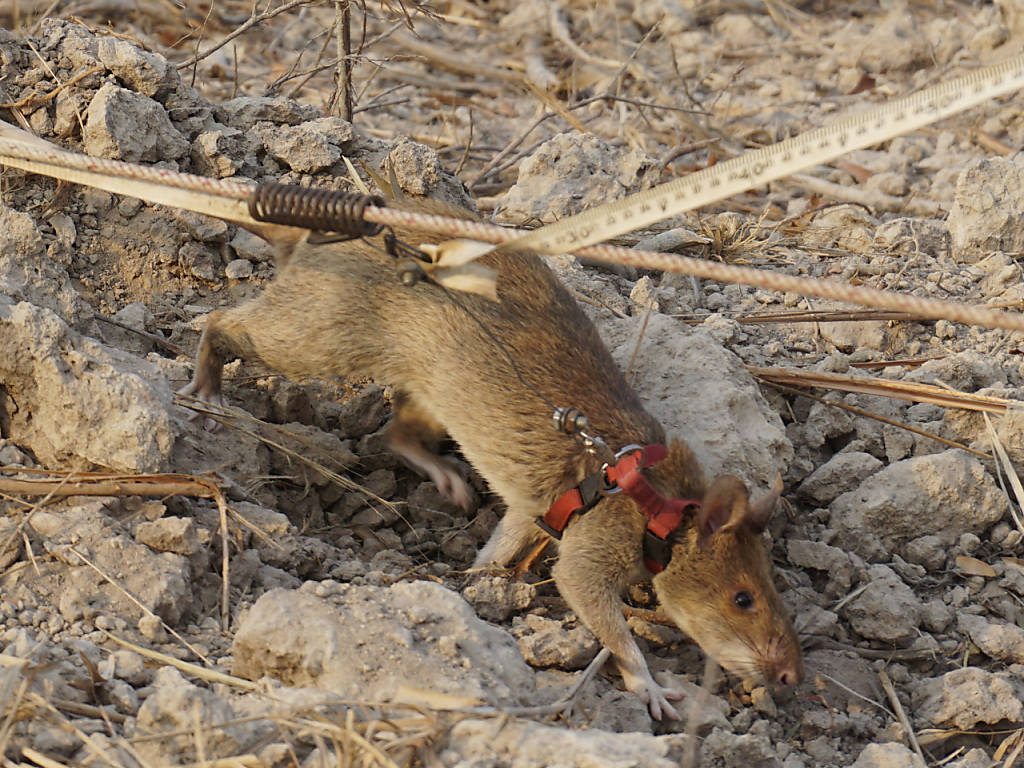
<point>574,422</point>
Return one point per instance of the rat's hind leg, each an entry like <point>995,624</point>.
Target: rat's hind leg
<point>409,433</point>
<point>514,533</point>
<point>223,339</point>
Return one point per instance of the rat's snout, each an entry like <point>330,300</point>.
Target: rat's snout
<point>789,675</point>
<point>785,666</point>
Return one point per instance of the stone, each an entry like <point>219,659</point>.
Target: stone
<point>169,534</point>
<point>244,112</point>
<point>888,755</point>
<point>988,210</point>
<point>526,744</point>
<point>725,749</point>
<point>547,643</point>
<point>82,405</point>
<point>842,473</point>
<point>27,273</point>
<point>943,494</point>
<point>965,697</point>
<point>125,125</point>
<point>142,71</point>
<point>895,44</point>
<point>927,551</point>
<point>815,554</point>
<point>886,610</point>
<point>238,269</point>
<point>301,149</point>
<point>732,431</point>
<point>572,172</point>
<point>495,598</point>
<point>217,153</point>
<point>1002,642</point>
<point>367,642</point>
<point>178,708</point>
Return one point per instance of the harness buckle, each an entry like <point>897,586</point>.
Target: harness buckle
<point>612,487</point>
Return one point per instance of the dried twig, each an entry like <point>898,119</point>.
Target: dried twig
<point>877,417</point>
<point>195,670</point>
<point>900,390</point>
<point>901,714</point>
<point>256,18</point>
<point>1009,471</point>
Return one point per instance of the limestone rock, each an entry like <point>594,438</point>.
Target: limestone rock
<point>366,642</point>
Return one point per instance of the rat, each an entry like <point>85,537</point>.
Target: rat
<point>486,373</point>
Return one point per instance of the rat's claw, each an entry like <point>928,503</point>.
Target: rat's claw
<point>194,389</point>
<point>450,483</point>
<point>653,695</point>
<point>658,701</point>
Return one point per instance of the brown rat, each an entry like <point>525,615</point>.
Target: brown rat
<point>341,310</point>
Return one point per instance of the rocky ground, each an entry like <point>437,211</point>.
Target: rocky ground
<point>350,631</point>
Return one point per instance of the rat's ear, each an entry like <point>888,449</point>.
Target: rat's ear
<point>285,239</point>
<point>724,506</point>
<point>761,510</point>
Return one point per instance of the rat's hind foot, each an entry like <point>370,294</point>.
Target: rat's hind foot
<point>208,377</point>
<point>444,474</point>
<point>195,389</point>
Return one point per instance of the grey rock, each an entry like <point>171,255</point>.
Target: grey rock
<point>252,248</point>
<point>67,387</point>
<point>245,111</point>
<point>125,125</point>
<point>547,643</point>
<point>301,149</point>
<point>368,641</point>
<point>27,273</point>
<point>966,697</point>
<point>169,534</point>
<point>888,755</point>
<point>526,744</point>
<point>944,494</point>
<point>848,336</point>
<point>161,582</point>
<point>987,212</point>
<point>238,269</point>
<point>895,44</point>
<point>177,707</point>
<point>140,70</point>
<point>886,610</point>
<point>928,551</point>
<point>418,171</point>
<point>206,229</point>
<point>975,758</point>
<point>10,541</point>
<point>217,153</point>
<point>842,473</point>
<point>495,598</point>
<point>551,179</point>
<point>912,237</point>
<point>734,430</point>
<point>1002,642</point>
<point>725,749</point>
<point>815,554</point>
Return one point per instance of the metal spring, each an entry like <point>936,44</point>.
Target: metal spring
<point>322,210</point>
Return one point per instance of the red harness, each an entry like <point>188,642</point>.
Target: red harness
<point>664,515</point>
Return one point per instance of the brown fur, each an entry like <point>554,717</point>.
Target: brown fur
<point>340,310</point>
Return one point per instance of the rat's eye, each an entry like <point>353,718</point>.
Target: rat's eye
<point>743,600</point>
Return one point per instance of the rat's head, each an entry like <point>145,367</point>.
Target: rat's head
<point>718,587</point>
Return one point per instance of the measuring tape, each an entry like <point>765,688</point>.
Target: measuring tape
<point>757,167</point>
